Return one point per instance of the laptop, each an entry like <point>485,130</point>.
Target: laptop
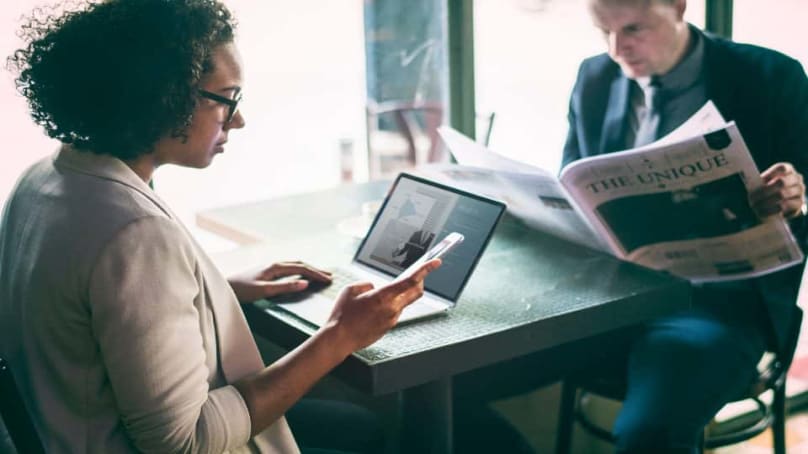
<point>416,214</point>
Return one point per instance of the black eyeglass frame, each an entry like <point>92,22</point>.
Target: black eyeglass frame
<point>231,103</point>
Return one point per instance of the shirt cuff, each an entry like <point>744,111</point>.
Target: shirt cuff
<point>228,418</point>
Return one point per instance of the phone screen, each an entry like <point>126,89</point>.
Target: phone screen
<point>437,251</point>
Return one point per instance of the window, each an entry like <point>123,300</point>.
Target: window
<point>407,83</point>
<point>25,141</point>
<point>304,99</point>
<point>778,25</point>
<point>527,54</point>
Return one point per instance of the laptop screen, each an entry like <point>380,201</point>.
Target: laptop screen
<point>417,214</point>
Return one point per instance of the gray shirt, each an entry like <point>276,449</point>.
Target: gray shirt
<point>682,90</point>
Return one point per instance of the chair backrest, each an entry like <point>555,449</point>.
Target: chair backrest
<point>15,416</point>
<point>414,121</point>
<point>485,125</point>
<point>774,372</point>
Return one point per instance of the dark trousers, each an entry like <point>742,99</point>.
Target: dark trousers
<point>334,427</point>
<point>680,371</point>
<point>319,427</point>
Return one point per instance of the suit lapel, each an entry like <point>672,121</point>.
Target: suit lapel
<point>238,352</point>
<point>614,122</point>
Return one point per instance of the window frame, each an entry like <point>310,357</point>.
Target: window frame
<point>460,29</point>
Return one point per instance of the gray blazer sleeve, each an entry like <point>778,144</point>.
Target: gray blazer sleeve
<point>143,295</point>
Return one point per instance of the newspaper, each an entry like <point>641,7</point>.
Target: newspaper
<point>679,204</point>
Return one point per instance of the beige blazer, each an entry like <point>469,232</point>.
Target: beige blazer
<point>122,334</point>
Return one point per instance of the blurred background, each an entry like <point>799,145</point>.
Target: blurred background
<point>325,79</point>
<point>350,90</point>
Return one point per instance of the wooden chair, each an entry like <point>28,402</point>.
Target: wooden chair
<point>16,418</point>
<point>415,138</point>
<point>485,124</point>
<point>772,376</point>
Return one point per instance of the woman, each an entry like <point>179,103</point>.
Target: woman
<point>122,334</point>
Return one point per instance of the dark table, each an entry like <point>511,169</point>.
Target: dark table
<point>530,293</point>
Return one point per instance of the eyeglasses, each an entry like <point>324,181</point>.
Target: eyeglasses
<point>231,103</point>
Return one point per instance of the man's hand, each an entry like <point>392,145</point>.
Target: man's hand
<point>264,283</point>
<point>362,314</point>
<point>783,192</point>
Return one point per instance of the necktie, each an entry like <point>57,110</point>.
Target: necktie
<point>649,115</point>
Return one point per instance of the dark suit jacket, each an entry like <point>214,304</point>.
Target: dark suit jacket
<point>763,91</point>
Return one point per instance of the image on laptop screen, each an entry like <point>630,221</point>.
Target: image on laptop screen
<point>416,215</point>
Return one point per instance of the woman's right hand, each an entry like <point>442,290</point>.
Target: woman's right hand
<point>362,313</point>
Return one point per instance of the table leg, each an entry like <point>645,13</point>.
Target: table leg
<point>426,425</point>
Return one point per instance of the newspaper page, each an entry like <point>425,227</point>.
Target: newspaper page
<point>706,119</point>
<point>530,193</point>
<point>537,199</point>
<point>682,206</point>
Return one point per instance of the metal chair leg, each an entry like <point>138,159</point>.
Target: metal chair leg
<point>779,423</point>
<point>566,418</point>
<point>702,437</point>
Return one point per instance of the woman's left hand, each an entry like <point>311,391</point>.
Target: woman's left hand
<point>253,285</point>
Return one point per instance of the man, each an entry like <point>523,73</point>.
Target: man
<point>683,368</point>
<point>414,248</point>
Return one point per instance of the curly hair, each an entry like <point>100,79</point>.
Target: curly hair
<point>114,77</point>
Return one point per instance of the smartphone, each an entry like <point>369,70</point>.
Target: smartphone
<point>440,249</point>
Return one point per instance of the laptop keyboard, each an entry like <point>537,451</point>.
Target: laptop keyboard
<point>316,311</point>
<point>339,279</point>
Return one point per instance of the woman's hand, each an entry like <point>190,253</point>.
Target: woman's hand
<point>267,282</point>
<point>362,313</point>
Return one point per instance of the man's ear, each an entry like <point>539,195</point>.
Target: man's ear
<point>681,6</point>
